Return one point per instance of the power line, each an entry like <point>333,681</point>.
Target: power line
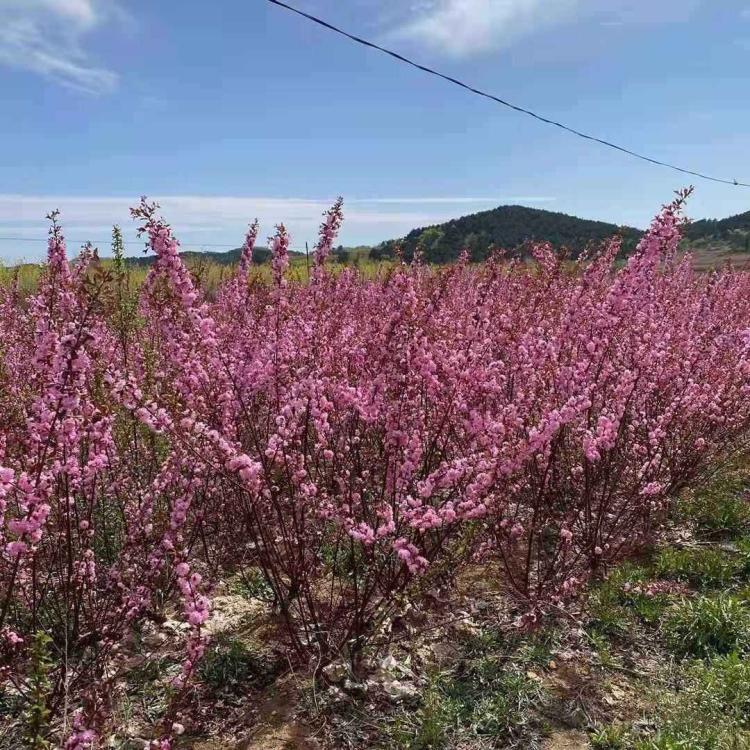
<point>503,102</point>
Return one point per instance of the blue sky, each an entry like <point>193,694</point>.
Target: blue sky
<point>232,109</point>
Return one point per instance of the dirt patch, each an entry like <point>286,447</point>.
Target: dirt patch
<point>278,725</point>
<point>567,740</point>
<point>231,612</point>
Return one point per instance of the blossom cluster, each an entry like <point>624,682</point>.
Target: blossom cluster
<point>351,437</point>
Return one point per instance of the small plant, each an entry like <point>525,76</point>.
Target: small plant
<point>602,644</point>
<point>37,713</point>
<point>709,625</point>
<point>147,672</point>
<point>720,688</point>
<point>709,711</point>
<point>608,617</point>
<point>614,602</point>
<point>743,559</point>
<point>612,737</point>
<point>229,665</point>
<point>435,720</point>
<point>722,509</point>
<point>484,699</point>
<point>485,641</point>
<point>537,647</point>
<point>491,699</point>
<point>505,712</point>
<point>650,608</point>
<point>704,568</point>
<point>154,700</point>
<point>251,584</point>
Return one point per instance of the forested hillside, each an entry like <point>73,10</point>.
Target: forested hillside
<point>733,231</point>
<point>510,228</point>
<point>507,227</point>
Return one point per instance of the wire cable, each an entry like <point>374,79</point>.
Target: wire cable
<point>503,102</point>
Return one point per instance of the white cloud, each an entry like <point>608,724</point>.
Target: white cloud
<point>204,221</point>
<point>462,28</point>
<point>455,201</point>
<point>48,37</point>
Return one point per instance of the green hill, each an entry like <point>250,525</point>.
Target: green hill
<point>260,255</point>
<point>732,233</point>
<point>507,227</point>
<point>227,258</point>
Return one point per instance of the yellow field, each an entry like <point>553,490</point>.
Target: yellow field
<point>209,274</point>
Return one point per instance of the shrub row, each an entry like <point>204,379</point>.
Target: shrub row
<point>354,439</point>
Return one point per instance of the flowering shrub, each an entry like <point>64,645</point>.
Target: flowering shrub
<point>629,387</point>
<point>355,439</point>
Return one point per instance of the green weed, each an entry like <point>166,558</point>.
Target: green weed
<point>708,625</point>
<point>487,698</point>
<point>704,568</point>
<point>617,602</point>
<point>613,737</point>
<point>252,584</point>
<point>722,509</point>
<point>709,711</point>
<point>230,665</point>
<point>36,717</point>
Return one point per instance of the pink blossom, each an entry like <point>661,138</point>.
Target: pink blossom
<point>351,432</point>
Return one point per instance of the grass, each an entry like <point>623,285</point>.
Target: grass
<point>710,710</point>
<point>709,625</point>
<point>626,598</point>
<point>705,568</point>
<point>209,274</point>
<point>431,726</point>
<point>251,584</point>
<point>620,601</point>
<point>487,697</point>
<point>722,508</point>
<point>149,671</point>
<point>612,737</point>
<point>484,699</point>
<point>230,666</point>
<point>704,699</point>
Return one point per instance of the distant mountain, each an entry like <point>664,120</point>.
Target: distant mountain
<point>510,228</point>
<point>507,227</point>
<point>231,257</point>
<point>227,258</point>
<point>732,233</point>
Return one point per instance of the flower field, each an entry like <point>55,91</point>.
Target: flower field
<point>357,440</point>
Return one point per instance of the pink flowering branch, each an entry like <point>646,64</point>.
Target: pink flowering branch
<point>246,258</point>
<point>329,229</point>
